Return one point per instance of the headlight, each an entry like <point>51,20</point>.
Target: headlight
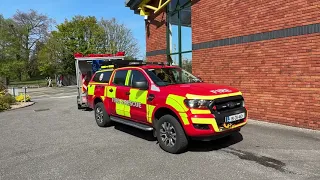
<point>197,103</point>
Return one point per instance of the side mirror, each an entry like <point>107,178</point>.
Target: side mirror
<point>142,85</point>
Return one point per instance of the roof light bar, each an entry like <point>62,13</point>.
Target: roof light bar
<point>118,54</point>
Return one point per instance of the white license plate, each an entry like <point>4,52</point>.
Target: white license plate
<point>235,117</point>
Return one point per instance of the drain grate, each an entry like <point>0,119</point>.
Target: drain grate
<point>38,110</point>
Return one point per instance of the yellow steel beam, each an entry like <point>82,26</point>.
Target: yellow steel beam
<point>151,7</point>
<point>144,4</point>
<point>162,6</point>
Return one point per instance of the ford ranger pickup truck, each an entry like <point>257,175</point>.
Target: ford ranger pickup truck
<point>166,99</point>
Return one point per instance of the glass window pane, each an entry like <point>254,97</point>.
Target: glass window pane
<point>174,59</point>
<point>120,77</point>
<point>96,77</point>
<point>106,76</point>
<point>186,39</point>
<point>187,61</point>
<point>183,2</point>
<point>136,76</point>
<point>173,38</point>
<point>173,5</point>
<point>185,16</point>
<point>186,32</point>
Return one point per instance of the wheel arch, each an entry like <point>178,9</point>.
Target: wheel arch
<point>161,111</point>
<point>97,100</point>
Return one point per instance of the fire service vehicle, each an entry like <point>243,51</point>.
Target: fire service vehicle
<point>166,99</point>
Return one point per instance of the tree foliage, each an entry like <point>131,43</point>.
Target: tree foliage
<point>28,48</point>
<point>116,37</point>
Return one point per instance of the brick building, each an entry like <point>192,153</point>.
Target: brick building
<point>269,49</point>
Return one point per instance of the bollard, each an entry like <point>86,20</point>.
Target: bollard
<point>13,92</point>
<point>25,92</point>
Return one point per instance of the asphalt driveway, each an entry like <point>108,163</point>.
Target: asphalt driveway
<point>54,140</point>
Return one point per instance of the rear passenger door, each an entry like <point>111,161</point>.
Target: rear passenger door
<point>118,94</point>
<point>96,87</point>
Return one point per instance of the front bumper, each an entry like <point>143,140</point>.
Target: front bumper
<point>205,125</point>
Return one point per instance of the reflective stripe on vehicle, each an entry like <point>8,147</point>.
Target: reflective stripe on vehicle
<point>177,102</point>
<point>128,78</point>
<point>150,109</point>
<point>200,111</point>
<point>212,97</point>
<point>184,118</point>
<point>91,89</point>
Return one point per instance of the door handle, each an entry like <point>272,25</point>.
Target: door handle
<point>151,97</point>
<point>110,90</point>
<point>128,93</point>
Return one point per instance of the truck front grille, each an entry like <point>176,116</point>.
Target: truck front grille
<point>224,107</point>
<point>227,104</point>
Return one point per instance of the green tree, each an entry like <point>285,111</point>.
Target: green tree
<point>117,37</point>
<point>50,56</point>
<point>10,54</point>
<point>31,28</point>
<point>81,34</point>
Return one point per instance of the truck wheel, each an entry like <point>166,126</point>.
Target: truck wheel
<point>170,135</point>
<point>101,115</point>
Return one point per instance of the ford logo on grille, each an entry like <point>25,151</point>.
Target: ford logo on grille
<point>231,104</point>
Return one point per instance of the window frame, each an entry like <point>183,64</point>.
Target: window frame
<point>114,76</point>
<point>96,76</point>
<point>177,10</point>
<point>142,73</point>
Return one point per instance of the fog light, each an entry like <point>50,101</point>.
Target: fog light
<point>201,126</point>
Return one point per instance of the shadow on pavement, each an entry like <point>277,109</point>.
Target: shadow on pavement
<point>194,146</point>
<point>203,146</point>
<point>146,135</point>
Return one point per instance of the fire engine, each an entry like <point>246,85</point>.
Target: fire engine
<point>86,66</point>
<point>166,99</point>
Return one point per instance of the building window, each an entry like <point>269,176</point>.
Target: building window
<point>179,33</point>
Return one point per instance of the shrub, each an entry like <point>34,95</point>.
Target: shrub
<point>20,98</point>
<point>5,101</point>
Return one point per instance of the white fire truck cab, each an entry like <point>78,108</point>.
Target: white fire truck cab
<point>86,66</point>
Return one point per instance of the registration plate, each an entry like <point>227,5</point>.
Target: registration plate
<point>235,117</point>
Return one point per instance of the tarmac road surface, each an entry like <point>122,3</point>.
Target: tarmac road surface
<point>54,140</point>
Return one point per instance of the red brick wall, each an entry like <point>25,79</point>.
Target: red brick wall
<point>157,58</point>
<point>280,78</point>
<point>156,36</point>
<point>216,19</point>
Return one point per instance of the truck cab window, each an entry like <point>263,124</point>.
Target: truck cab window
<point>106,76</point>
<point>96,77</point>
<point>136,76</point>
<point>120,77</point>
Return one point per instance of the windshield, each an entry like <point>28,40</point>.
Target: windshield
<point>167,76</point>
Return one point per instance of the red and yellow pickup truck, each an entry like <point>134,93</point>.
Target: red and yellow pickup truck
<point>176,105</point>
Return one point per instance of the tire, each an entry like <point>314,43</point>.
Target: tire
<point>79,106</point>
<point>101,115</point>
<point>169,145</point>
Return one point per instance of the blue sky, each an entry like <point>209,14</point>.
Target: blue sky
<point>66,9</point>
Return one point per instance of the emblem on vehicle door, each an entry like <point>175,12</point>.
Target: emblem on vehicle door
<point>101,77</point>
